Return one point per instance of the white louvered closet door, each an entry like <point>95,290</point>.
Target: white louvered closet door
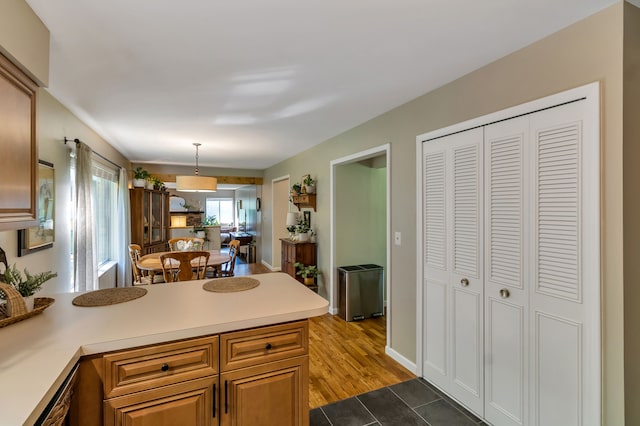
<point>453,264</point>
<point>564,294</point>
<point>506,284</point>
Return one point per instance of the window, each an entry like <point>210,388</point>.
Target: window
<point>105,210</point>
<point>222,209</point>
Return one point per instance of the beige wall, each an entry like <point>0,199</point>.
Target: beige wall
<point>631,212</point>
<point>588,51</point>
<point>24,39</point>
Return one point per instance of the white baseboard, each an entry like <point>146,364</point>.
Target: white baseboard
<point>409,365</point>
<point>271,268</point>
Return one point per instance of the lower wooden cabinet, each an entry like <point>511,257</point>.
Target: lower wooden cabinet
<point>254,377</point>
<point>192,403</point>
<point>274,394</point>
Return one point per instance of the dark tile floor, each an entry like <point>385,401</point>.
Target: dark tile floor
<point>413,402</point>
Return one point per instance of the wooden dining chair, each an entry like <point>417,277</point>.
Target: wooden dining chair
<point>227,268</point>
<point>235,244</point>
<point>184,265</point>
<point>140,278</point>
<point>197,243</point>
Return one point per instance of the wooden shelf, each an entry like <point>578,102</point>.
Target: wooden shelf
<point>305,200</point>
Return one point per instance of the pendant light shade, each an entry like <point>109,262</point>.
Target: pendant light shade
<point>196,183</point>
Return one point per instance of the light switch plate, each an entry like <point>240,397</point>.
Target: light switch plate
<point>397,238</point>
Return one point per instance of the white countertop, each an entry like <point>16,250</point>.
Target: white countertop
<point>37,354</point>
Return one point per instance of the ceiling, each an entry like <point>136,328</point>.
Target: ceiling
<point>256,82</point>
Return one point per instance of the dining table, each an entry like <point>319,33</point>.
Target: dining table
<point>152,265</point>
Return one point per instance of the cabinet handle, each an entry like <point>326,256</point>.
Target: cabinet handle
<point>226,395</point>
<point>268,346</point>
<point>464,282</point>
<point>214,401</point>
<point>504,293</point>
<point>164,367</point>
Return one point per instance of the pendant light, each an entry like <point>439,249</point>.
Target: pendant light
<point>196,183</point>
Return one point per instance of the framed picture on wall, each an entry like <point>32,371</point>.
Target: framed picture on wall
<point>307,217</point>
<point>42,236</point>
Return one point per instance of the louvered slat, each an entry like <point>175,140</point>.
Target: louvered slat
<point>465,214</point>
<point>505,211</point>
<point>434,210</point>
<point>558,206</point>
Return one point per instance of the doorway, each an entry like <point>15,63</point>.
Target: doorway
<point>360,219</point>
<point>280,208</point>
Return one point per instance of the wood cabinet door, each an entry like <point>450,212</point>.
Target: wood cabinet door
<point>274,394</point>
<point>19,160</point>
<point>191,403</point>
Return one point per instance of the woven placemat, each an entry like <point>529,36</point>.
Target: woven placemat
<point>109,296</point>
<point>231,284</point>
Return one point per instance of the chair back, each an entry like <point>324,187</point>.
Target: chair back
<point>230,265</point>
<point>184,265</point>
<point>235,244</point>
<point>179,243</point>
<point>134,255</point>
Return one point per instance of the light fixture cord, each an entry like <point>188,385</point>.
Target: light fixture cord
<point>197,145</point>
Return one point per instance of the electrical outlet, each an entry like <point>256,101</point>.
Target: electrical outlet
<point>397,238</point>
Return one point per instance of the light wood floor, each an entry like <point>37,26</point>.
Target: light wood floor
<point>345,358</point>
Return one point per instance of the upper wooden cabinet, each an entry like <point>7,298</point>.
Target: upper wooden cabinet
<point>149,219</point>
<point>19,159</point>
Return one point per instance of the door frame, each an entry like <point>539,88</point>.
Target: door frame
<point>333,284</point>
<point>591,94</point>
<point>275,246</point>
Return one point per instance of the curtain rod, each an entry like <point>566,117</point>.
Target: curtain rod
<point>77,141</point>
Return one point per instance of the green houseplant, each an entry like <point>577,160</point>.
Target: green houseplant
<point>210,221</point>
<point>308,273</point>
<point>140,176</point>
<point>309,184</point>
<point>296,188</point>
<point>26,285</point>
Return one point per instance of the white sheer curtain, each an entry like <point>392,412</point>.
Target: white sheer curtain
<point>123,232</point>
<point>85,259</point>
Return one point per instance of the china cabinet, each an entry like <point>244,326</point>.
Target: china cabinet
<point>149,219</point>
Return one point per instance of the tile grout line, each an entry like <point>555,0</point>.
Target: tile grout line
<point>452,403</point>
<point>325,416</point>
<point>368,411</point>
<point>412,408</point>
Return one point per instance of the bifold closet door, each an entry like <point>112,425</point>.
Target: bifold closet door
<point>507,219</point>
<point>453,265</point>
<point>541,238</point>
<point>564,291</point>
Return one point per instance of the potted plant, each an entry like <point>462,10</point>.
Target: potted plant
<point>296,188</point>
<point>26,285</point>
<point>308,273</point>
<point>156,182</point>
<point>199,231</point>
<point>302,230</point>
<point>292,231</point>
<point>140,176</point>
<point>210,221</point>
<point>309,184</point>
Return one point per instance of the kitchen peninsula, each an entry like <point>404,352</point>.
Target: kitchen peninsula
<point>37,354</point>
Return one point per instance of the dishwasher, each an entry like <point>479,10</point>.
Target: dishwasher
<point>361,291</point>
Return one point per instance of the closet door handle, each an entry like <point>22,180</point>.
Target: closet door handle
<point>504,293</point>
<point>464,282</point>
